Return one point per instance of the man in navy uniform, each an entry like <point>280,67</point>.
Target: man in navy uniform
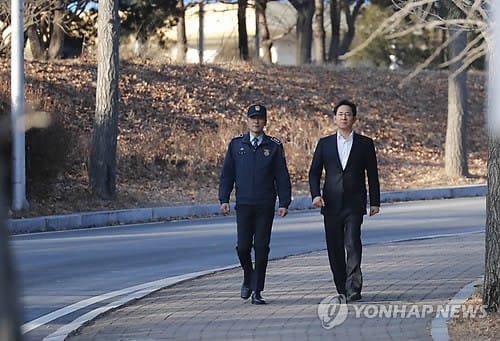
<point>255,165</point>
<point>348,160</point>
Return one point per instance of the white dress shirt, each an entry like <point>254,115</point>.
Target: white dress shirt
<point>259,138</point>
<point>344,147</point>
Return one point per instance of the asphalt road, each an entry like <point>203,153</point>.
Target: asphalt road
<point>63,275</point>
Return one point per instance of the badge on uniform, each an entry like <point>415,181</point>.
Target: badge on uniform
<point>267,152</point>
<point>242,151</point>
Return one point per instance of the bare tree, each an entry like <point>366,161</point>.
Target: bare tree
<point>265,41</point>
<point>491,286</point>
<point>102,159</point>
<point>455,146</point>
<point>56,44</point>
<point>455,162</point>
<point>414,15</point>
<point>305,12</point>
<point>45,23</point>
<point>242,29</point>
<point>319,32</point>
<point>181,34</point>
<point>201,30</point>
<point>457,20</point>
<point>351,9</point>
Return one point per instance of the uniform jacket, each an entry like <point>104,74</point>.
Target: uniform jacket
<point>345,188</point>
<point>257,174</point>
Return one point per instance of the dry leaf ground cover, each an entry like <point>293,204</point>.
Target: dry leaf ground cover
<point>175,123</point>
<point>474,327</point>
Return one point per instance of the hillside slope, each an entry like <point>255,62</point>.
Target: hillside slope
<point>176,121</point>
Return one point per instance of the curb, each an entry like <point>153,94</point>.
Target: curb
<point>439,325</point>
<point>138,215</point>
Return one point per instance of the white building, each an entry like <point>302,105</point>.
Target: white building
<point>221,32</point>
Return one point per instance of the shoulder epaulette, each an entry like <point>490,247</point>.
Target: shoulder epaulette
<point>274,139</point>
<point>237,136</point>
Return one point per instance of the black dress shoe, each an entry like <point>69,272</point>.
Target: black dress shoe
<point>257,299</point>
<point>355,296</point>
<point>245,292</point>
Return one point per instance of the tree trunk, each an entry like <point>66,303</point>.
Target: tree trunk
<point>102,163</point>
<point>339,47</point>
<point>36,47</point>
<point>335,36</point>
<point>455,145</point>
<point>242,30</point>
<point>491,287</point>
<point>9,309</point>
<point>181,34</point>
<point>57,34</point>
<point>305,12</point>
<point>351,13</point>
<point>201,38</point>
<point>265,38</point>
<point>319,33</point>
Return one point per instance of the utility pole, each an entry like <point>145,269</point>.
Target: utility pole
<point>9,309</point>
<point>19,201</point>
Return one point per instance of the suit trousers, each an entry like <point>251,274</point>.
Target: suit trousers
<point>343,241</point>
<point>254,224</point>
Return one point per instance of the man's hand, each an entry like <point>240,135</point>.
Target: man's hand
<point>282,211</point>
<point>374,210</point>
<point>224,208</point>
<point>318,202</point>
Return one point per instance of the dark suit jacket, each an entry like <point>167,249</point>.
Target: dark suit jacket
<point>345,189</point>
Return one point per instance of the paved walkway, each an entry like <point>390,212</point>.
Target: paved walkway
<point>411,274</point>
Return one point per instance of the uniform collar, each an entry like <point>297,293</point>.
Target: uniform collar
<point>259,138</point>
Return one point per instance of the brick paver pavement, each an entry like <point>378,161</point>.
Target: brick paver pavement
<point>421,272</point>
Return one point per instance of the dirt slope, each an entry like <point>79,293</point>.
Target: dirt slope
<point>176,121</point>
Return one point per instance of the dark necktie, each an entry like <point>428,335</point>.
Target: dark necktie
<point>255,142</point>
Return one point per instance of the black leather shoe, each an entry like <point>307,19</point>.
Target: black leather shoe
<point>257,299</point>
<point>245,292</point>
<point>355,296</point>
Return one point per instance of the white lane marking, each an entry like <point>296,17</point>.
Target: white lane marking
<point>62,333</point>
<point>29,326</point>
<point>425,237</point>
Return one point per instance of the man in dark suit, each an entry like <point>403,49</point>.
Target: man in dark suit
<point>348,159</point>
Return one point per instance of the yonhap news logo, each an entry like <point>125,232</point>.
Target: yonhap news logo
<point>333,311</point>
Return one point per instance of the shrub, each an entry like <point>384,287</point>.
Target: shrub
<point>46,152</point>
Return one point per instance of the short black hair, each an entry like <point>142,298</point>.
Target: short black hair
<point>346,102</point>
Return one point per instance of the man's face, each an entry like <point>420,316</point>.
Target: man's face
<point>256,124</point>
<point>344,118</point>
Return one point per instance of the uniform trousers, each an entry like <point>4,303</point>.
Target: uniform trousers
<point>343,240</point>
<point>254,224</point>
